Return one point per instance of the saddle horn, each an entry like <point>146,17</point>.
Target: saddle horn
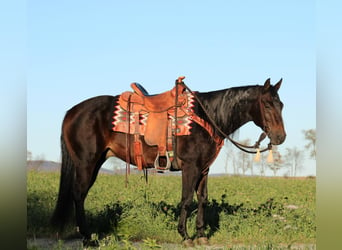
<point>180,79</point>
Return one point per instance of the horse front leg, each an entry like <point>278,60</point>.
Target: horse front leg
<point>188,188</point>
<point>202,197</point>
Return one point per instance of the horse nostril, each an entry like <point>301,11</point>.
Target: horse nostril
<point>277,138</point>
<point>281,138</point>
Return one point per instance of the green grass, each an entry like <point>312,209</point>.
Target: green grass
<point>248,211</point>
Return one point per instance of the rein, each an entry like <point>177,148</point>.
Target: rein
<point>213,123</point>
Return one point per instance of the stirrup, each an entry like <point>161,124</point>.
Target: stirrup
<point>168,162</point>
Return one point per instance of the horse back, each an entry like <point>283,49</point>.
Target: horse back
<point>88,122</point>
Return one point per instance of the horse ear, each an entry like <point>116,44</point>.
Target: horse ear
<point>267,84</point>
<point>278,84</point>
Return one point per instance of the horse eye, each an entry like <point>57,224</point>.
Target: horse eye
<point>267,106</point>
<point>279,104</point>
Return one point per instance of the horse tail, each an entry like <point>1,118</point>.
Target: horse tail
<point>65,203</point>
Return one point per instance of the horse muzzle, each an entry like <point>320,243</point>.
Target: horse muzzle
<point>277,138</point>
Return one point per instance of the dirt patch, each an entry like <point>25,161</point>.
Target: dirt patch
<point>46,243</point>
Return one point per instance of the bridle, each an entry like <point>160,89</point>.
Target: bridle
<point>245,148</point>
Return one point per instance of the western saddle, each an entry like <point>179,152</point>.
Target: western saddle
<point>154,117</point>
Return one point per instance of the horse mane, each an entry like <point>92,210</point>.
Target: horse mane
<point>228,107</point>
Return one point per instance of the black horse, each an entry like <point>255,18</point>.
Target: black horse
<point>87,141</point>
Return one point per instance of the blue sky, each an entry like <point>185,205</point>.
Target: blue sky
<point>81,49</point>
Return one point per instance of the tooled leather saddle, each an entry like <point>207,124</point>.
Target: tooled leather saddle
<point>158,118</point>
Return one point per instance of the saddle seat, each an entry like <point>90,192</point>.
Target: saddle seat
<point>156,103</point>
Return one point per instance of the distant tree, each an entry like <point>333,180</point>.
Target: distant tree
<point>277,161</point>
<point>39,160</point>
<point>261,164</point>
<point>230,158</point>
<point>234,163</point>
<point>310,136</point>
<point>245,160</point>
<point>228,154</point>
<point>294,159</point>
<point>29,156</point>
<point>34,162</point>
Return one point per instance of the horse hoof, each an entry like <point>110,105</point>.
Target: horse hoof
<point>203,241</point>
<point>188,243</point>
<point>90,243</point>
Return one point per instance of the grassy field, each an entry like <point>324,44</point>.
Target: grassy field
<point>265,213</point>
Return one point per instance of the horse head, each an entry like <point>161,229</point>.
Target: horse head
<point>267,112</point>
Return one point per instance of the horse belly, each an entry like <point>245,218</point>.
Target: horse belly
<point>118,147</point>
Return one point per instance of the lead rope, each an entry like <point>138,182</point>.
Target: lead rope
<point>237,144</point>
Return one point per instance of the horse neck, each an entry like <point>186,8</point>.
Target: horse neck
<point>230,108</point>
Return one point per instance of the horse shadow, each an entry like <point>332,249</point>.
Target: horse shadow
<point>212,213</point>
<point>40,209</point>
<point>107,220</point>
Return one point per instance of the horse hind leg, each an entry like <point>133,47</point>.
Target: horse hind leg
<point>80,192</point>
<point>85,178</point>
